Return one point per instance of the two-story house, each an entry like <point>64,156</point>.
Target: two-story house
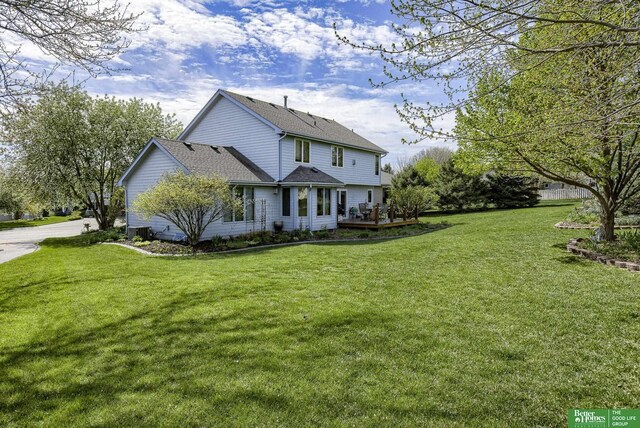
<point>296,168</point>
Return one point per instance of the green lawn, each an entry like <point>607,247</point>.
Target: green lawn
<point>487,323</point>
<point>12,224</point>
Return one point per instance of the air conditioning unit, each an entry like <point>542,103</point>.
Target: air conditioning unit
<point>143,232</point>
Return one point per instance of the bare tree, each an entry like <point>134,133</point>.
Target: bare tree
<point>85,34</point>
<point>440,155</point>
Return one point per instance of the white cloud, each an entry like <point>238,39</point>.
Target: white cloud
<point>178,25</point>
<point>171,64</point>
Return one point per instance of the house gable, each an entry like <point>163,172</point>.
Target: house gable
<point>223,122</point>
<point>147,151</point>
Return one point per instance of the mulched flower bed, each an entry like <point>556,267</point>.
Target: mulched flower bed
<point>264,239</point>
<point>582,247</point>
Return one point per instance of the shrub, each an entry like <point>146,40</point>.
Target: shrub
<point>631,240</point>
<point>631,206</point>
<point>217,241</point>
<point>302,234</point>
<point>236,245</point>
<point>322,233</point>
<point>630,220</point>
<point>141,244</point>
<point>578,215</point>
<point>408,199</point>
<point>189,201</point>
<point>137,238</point>
<point>588,213</point>
<point>282,238</point>
<point>96,236</point>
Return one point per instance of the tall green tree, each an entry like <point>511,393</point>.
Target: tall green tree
<point>409,176</point>
<point>450,43</point>
<point>569,119</point>
<point>564,89</point>
<point>511,191</point>
<point>70,143</point>
<point>458,190</point>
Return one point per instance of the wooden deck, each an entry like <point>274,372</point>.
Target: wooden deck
<point>370,224</point>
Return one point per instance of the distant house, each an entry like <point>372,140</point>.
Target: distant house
<point>289,166</point>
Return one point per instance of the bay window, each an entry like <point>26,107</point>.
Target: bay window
<point>323,202</point>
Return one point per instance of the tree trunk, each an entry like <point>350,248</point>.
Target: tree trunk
<point>607,220</point>
<point>609,206</point>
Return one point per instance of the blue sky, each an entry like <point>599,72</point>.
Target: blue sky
<point>265,49</point>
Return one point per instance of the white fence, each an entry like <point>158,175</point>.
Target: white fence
<point>555,194</point>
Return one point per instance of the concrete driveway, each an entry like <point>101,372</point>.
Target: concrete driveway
<point>22,240</point>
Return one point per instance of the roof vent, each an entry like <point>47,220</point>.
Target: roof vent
<point>215,148</point>
<point>285,100</point>
<point>314,169</point>
<point>250,99</point>
<point>273,105</point>
<point>187,145</point>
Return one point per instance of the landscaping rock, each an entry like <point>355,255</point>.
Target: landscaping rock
<point>633,267</point>
<point>573,247</point>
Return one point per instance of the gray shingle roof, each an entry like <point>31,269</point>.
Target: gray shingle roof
<point>304,124</point>
<point>305,174</point>
<point>226,162</point>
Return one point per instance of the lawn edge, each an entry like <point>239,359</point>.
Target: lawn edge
<point>269,246</point>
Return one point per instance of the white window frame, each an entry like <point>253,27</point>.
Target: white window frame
<point>326,194</point>
<point>370,196</point>
<point>282,211</point>
<point>338,149</point>
<point>377,165</point>
<point>246,203</point>
<point>302,150</point>
<point>307,193</point>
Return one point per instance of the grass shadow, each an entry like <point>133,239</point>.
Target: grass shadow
<point>573,260</point>
<point>88,373</point>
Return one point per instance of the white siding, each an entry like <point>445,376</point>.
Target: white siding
<point>226,229</point>
<point>150,169</point>
<point>358,195</point>
<point>363,172</point>
<point>226,124</point>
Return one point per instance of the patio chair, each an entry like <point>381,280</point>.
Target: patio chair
<point>383,213</point>
<point>364,210</point>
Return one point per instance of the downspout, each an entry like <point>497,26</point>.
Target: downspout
<point>126,208</point>
<point>280,155</point>
<point>310,208</point>
<point>293,217</point>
